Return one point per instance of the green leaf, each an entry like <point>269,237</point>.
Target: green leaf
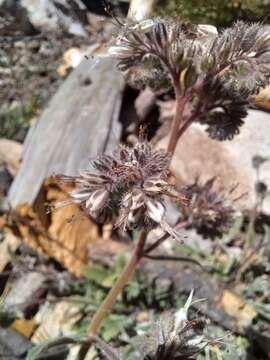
<point>119,264</point>
<point>95,273</point>
<point>36,351</point>
<point>114,325</point>
<point>262,309</point>
<point>109,281</point>
<point>133,290</point>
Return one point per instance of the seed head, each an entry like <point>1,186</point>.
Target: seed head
<point>209,212</point>
<point>127,188</point>
<point>174,337</point>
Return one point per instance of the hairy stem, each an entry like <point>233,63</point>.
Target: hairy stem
<point>189,121</point>
<point>178,117</point>
<point>111,297</point>
<point>118,286</point>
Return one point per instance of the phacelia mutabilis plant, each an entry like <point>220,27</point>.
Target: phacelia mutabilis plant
<point>213,76</point>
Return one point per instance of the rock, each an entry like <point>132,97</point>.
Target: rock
<point>55,320</point>
<point>9,244</point>
<point>140,9</point>
<point>5,179</point>
<point>52,15</point>
<point>10,153</point>
<point>229,161</point>
<point>13,345</point>
<point>24,293</point>
<point>145,103</point>
<point>14,20</point>
<point>262,100</point>
<point>47,15</point>
<point>73,57</point>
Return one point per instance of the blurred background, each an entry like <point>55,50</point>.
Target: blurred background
<point>61,106</point>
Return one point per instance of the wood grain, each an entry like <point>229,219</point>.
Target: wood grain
<point>80,122</point>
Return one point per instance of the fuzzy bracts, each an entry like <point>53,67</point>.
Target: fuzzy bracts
<point>216,73</point>
<point>127,188</point>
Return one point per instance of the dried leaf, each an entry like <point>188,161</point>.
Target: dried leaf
<point>9,244</point>
<point>56,320</point>
<point>66,235</point>
<point>237,308</point>
<point>24,327</point>
<point>262,100</point>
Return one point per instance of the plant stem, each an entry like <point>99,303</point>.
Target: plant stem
<point>178,117</point>
<point>164,237</point>
<point>118,286</point>
<point>189,121</point>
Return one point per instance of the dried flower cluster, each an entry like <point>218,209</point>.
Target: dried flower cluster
<point>215,73</point>
<point>173,337</point>
<point>127,189</point>
<point>208,212</point>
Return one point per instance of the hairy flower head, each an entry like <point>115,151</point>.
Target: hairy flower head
<point>127,188</point>
<point>153,51</point>
<point>209,212</point>
<point>217,73</point>
<point>174,337</point>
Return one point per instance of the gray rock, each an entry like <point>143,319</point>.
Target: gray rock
<point>5,179</point>
<point>50,15</point>
<point>13,345</point>
<point>47,15</point>
<point>229,161</point>
<point>25,291</point>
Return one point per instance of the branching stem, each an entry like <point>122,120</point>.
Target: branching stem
<point>164,237</point>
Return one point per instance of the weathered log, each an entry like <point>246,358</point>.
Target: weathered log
<point>80,122</point>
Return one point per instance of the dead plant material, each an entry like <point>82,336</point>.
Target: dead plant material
<point>262,100</point>
<point>237,308</point>
<point>65,234</point>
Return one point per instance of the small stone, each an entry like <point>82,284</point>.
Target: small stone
<point>142,317</point>
<point>5,179</point>
<point>13,345</point>
<point>33,45</point>
<point>45,49</point>
<point>20,44</point>
<point>25,291</point>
